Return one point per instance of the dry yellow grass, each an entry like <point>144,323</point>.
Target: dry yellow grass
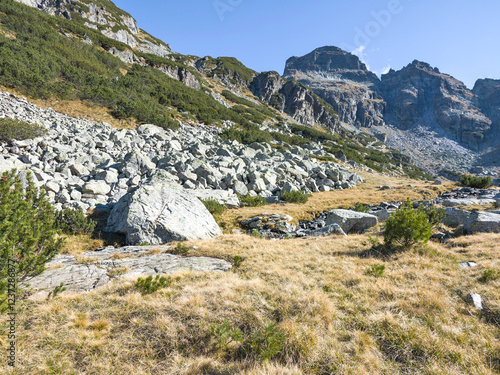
<point>80,109</point>
<point>75,245</point>
<point>330,315</point>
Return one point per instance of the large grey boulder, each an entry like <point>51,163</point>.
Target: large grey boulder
<point>160,211</point>
<point>351,221</point>
<point>483,222</point>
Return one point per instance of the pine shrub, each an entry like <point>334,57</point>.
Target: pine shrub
<point>475,181</point>
<point>150,285</point>
<point>410,226</point>
<point>249,201</point>
<point>74,221</point>
<point>28,234</point>
<point>11,129</point>
<point>295,196</point>
<point>214,207</point>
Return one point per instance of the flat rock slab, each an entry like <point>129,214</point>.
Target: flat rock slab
<point>466,202</point>
<point>95,269</point>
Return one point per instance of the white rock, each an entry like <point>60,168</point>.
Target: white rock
<point>160,211</point>
<point>96,188</point>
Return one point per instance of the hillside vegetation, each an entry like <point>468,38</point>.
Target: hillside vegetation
<point>45,57</point>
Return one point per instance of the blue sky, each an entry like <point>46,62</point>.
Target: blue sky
<point>460,37</point>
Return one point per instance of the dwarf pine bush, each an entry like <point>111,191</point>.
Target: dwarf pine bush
<point>410,226</point>
<point>28,234</point>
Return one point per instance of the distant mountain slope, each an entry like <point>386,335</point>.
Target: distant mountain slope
<point>422,112</point>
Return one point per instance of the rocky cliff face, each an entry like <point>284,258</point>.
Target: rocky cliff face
<point>488,92</point>
<point>343,81</point>
<point>422,112</point>
<point>420,94</point>
<point>293,99</point>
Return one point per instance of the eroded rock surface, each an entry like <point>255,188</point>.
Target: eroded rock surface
<point>95,269</point>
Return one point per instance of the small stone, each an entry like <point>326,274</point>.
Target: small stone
<point>467,264</point>
<point>475,300</point>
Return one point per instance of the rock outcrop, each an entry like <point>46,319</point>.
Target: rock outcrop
<point>95,269</point>
<point>293,99</point>
<point>343,81</point>
<point>421,95</point>
<point>106,17</point>
<point>160,211</point>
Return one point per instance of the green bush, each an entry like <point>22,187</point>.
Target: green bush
<point>490,275</point>
<point>249,201</point>
<point>475,181</point>
<point>295,196</point>
<point>408,226</point>
<point>214,207</point>
<point>11,129</point>
<point>267,343</point>
<point>237,260</point>
<point>224,335</point>
<point>150,285</point>
<point>74,221</point>
<point>360,207</point>
<point>180,249</point>
<point>28,235</point>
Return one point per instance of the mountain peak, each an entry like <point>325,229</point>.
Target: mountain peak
<point>330,62</point>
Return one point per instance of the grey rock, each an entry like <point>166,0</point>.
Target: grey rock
<point>351,221</point>
<point>453,217</point>
<point>110,176</point>
<point>95,271</point>
<point>466,202</point>
<point>96,188</point>
<point>160,211</point>
<point>465,265</point>
<point>483,222</point>
<point>328,230</point>
<point>79,170</point>
<point>240,188</point>
<point>382,214</point>
<point>475,300</point>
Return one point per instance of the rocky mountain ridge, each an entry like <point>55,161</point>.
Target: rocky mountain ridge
<point>416,107</point>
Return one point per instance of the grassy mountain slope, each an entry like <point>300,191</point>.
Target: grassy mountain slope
<point>311,306</point>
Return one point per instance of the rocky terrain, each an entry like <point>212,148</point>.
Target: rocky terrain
<point>94,166</point>
<point>95,269</point>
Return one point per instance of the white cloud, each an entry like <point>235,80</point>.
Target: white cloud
<point>360,52</point>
